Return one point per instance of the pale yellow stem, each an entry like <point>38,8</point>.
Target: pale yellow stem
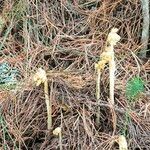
<point>98,84</point>
<point>60,141</point>
<point>98,95</point>
<point>112,78</point>
<point>48,105</point>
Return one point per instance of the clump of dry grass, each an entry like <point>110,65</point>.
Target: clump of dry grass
<point>66,38</point>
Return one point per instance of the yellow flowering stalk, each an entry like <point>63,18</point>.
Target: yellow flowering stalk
<point>107,57</point>
<point>57,132</point>
<point>39,78</point>
<point>112,39</point>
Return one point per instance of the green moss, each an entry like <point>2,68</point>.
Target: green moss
<point>134,88</point>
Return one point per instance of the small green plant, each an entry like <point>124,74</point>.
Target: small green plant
<point>134,88</point>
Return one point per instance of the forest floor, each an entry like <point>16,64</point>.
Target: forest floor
<point>66,38</point>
